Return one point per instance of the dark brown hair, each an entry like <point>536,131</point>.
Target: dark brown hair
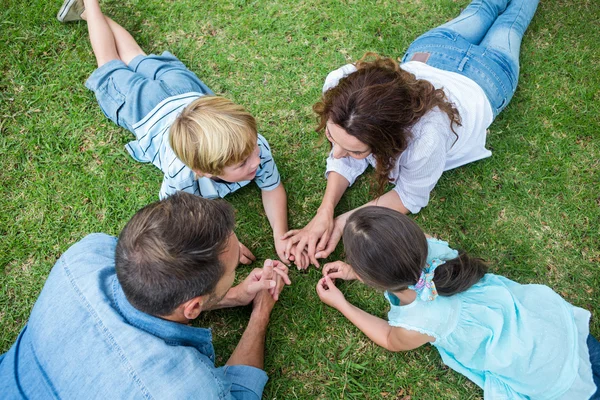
<point>388,251</point>
<point>379,104</point>
<point>169,251</point>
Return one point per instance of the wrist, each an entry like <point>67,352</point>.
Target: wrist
<point>326,209</point>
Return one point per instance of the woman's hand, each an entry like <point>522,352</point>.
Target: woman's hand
<point>314,237</point>
<point>339,270</point>
<point>329,293</point>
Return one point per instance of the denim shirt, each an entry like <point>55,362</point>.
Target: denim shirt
<point>85,340</point>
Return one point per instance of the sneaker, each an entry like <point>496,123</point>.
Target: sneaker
<point>71,10</point>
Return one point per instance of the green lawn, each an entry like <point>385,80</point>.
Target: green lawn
<point>533,209</point>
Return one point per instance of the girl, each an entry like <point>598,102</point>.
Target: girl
<point>514,341</point>
<point>414,121</point>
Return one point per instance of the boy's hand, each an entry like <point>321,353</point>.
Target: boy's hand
<point>339,269</point>
<point>280,246</point>
<point>329,294</point>
<point>314,236</point>
<point>246,256</point>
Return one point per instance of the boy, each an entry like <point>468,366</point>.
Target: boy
<point>204,144</point>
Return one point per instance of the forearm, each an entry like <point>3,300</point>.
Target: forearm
<point>377,329</point>
<point>275,205</point>
<point>234,298</point>
<point>251,348</point>
<point>336,186</point>
<point>388,200</point>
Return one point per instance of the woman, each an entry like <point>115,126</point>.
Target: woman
<point>414,121</point>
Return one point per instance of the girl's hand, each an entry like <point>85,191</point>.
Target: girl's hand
<point>314,237</point>
<point>339,269</point>
<point>246,256</point>
<point>329,294</point>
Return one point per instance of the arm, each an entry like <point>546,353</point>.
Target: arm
<point>266,279</point>
<point>380,332</point>
<point>388,200</point>
<point>275,205</point>
<point>377,329</point>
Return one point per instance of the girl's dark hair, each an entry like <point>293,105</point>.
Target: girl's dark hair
<point>388,251</point>
<point>379,104</point>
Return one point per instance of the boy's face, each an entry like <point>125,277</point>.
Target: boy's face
<point>244,171</point>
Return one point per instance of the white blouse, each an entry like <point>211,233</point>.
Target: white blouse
<point>433,147</point>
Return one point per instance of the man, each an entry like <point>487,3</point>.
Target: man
<point>112,319</point>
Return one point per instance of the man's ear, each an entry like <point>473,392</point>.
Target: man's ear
<point>192,308</point>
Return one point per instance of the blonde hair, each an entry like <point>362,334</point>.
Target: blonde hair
<point>212,133</point>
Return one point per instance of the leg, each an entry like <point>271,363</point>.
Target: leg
<point>506,33</point>
<point>108,37</point>
<point>101,36</point>
<point>594,349</point>
<point>475,20</point>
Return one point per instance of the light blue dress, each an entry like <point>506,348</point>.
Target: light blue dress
<point>514,341</point>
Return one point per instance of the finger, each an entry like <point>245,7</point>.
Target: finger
<point>312,244</point>
<point>329,268</point>
<point>290,233</point>
<point>268,269</point>
<point>331,245</point>
<point>283,275</point>
<point>266,284</point>
<point>282,267</point>
<point>245,260</point>
<point>323,241</point>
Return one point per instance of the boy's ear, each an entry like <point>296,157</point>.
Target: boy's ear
<point>202,174</point>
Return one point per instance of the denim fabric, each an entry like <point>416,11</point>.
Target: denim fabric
<point>483,43</point>
<point>594,349</point>
<point>127,93</point>
<point>84,340</point>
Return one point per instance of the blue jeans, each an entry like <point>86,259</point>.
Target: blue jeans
<point>594,349</point>
<point>127,93</point>
<point>483,43</point>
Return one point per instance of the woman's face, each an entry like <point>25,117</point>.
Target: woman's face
<point>343,144</point>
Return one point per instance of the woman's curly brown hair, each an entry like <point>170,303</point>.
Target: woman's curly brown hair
<point>379,104</point>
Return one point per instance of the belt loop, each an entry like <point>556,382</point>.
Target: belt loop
<point>462,63</point>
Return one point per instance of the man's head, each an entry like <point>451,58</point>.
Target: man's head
<point>176,250</point>
<point>216,137</point>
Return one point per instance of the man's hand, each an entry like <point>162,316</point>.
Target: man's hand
<point>329,294</point>
<point>264,301</point>
<point>246,256</point>
<point>264,279</point>
<point>339,269</point>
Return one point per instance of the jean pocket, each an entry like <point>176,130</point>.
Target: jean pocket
<point>110,100</point>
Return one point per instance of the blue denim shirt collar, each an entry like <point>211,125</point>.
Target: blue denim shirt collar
<point>173,333</point>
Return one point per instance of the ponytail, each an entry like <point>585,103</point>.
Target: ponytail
<point>458,274</point>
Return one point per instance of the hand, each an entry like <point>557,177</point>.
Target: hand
<point>314,236</point>
<point>329,293</point>
<point>339,269</point>
<point>246,256</point>
<point>263,279</point>
<point>280,246</point>
<point>334,239</point>
<point>264,300</point>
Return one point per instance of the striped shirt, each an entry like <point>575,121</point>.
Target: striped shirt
<point>433,147</point>
<point>152,146</point>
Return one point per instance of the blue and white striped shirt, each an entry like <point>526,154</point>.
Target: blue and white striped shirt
<point>152,145</point>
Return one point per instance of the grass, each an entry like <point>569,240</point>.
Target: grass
<point>533,209</point>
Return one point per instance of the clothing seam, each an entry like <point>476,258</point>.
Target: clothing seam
<point>105,332</point>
